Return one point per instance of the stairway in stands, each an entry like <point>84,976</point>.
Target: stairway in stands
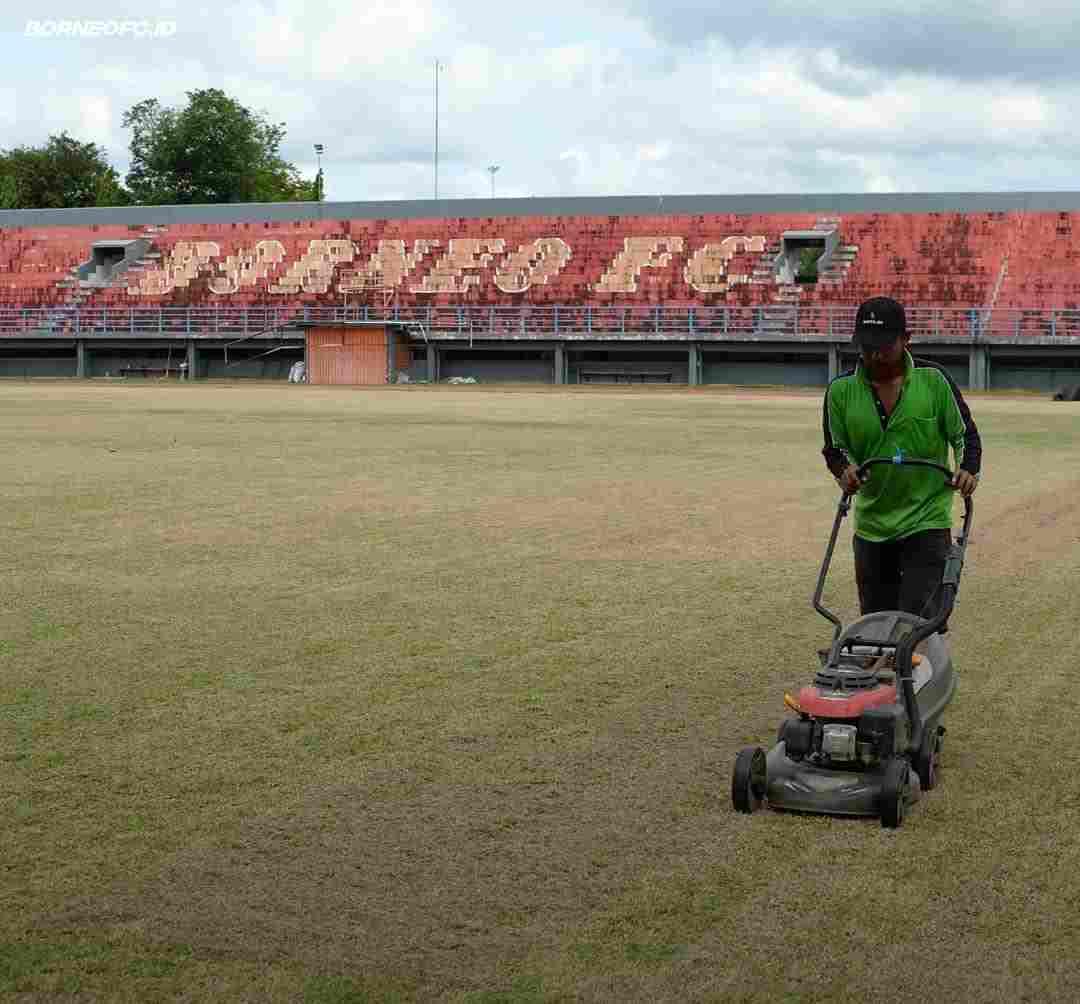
<point>831,276</point>
<point>77,290</point>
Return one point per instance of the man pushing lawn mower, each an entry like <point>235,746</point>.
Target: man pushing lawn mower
<point>894,405</point>
<point>866,735</point>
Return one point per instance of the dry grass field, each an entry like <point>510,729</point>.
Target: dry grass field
<point>432,694</point>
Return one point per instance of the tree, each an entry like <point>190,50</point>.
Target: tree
<point>9,188</point>
<point>62,174</point>
<point>211,150</point>
<point>807,269</point>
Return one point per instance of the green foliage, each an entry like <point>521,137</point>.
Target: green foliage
<point>9,187</point>
<point>212,150</point>
<point>807,268</point>
<point>62,174</point>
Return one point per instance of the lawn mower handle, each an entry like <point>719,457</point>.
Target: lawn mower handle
<point>953,563</point>
<point>950,584</point>
<point>863,472</point>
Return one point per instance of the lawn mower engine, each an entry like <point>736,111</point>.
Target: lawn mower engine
<point>849,749</point>
<point>847,719</point>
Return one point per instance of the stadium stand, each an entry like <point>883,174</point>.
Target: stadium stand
<point>946,260</point>
<point>694,289</point>
<point>961,259</point>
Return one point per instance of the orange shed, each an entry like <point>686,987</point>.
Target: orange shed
<point>355,353</point>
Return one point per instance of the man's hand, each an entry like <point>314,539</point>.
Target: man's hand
<point>965,482</point>
<point>849,480</point>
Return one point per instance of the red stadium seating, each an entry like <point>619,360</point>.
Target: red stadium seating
<point>1044,264</point>
<point>972,260</point>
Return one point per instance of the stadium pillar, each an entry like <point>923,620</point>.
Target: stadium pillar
<point>834,363</point>
<point>432,363</point>
<point>560,363</point>
<point>694,365</point>
<point>192,359</point>
<point>978,368</point>
<point>80,359</point>
<point>391,354</point>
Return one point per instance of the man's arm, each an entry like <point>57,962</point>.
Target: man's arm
<point>959,427</point>
<point>836,453</point>
<point>962,434</point>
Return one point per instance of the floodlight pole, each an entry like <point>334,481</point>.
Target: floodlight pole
<point>436,130</point>
<point>491,170</point>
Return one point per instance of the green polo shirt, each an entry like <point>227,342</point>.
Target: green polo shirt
<point>929,417</point>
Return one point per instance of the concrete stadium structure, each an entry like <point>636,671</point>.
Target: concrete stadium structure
<point>680,289</point>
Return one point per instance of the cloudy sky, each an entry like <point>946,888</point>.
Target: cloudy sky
<point>573,97</point>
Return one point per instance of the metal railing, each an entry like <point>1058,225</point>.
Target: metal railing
<point>675,323</point>
<point>144,321</point>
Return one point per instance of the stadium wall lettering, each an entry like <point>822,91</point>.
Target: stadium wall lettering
<point>430,266</point>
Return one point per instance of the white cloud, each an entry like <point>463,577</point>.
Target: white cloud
<point>9,106</point>
<point>589,99</point>
<point>271,40</point>
<point>95,117</point>
<point>979,39</point>
<point>570,65</point>
<point>655,152</point>
<point>477,69</point>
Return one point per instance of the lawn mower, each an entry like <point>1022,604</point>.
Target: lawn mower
<point>866,735</point>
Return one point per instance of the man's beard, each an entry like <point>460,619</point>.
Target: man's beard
<point>881,370</point>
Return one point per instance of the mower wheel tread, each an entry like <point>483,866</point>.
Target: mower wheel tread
<point>894,793</point>
<point>926,760</point>
<point>748,781</point>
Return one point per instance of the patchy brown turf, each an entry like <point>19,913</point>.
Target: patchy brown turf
<point>432,694</point>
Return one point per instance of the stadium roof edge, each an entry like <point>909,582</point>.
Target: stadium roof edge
<point>628,205</point>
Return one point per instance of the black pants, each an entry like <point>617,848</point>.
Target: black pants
<point>902,574</point>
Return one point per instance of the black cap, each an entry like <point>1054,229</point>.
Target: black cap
<point>879,322</point>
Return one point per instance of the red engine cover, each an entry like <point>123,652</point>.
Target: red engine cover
<point>813,701</point>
